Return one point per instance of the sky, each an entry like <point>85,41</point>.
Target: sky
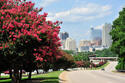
<point>78,16</point>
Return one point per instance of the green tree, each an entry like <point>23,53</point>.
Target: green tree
<point>69,51</point>
<point>82,56</point>
<point>118,37</point>
<point>105,53</point>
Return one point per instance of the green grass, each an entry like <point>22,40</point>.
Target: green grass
<point>7,76</point>
<point>8,80</point>
<point>5,81</point>
<point>51,77</point>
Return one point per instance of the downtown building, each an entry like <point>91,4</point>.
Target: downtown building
<point>96,37</point>
<point>106,38</point>
<point>84,45</point>
<point>70,44</point>
<point>63,36</point>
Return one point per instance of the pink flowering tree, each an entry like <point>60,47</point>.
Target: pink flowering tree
<point>26,38</point>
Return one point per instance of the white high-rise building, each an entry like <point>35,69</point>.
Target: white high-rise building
<point>70,44</point>
<point>106,38</point>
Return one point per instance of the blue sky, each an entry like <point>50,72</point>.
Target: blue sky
<point>79,15</point>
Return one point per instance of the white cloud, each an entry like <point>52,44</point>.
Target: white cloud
<point>99,26</point>
<point>85,13</point>
<point>45,3</point>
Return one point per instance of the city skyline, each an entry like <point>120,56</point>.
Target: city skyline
<point>95,35</point>
<point>99,37</point>
<point>78,16</point>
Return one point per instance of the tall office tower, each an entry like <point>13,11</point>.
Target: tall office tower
<point>64,35</point>
<point>70,44</point>
<point>96,36</point>
<point>106,38</point>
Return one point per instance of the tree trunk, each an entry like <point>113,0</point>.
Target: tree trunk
<point>15,76</point>
<point>10,72</point>
<point>30,74</point>
<point>37,71</point>
<point>20,75</point>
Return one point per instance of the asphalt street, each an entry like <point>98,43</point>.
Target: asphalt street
<point>96,76</point>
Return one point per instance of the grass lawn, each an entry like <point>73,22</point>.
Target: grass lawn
<point>51,77</point>
<point>7,76</point>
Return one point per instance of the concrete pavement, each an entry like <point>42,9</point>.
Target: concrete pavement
<point>94,76</point>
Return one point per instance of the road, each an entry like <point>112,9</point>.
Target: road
<point>95,76</point>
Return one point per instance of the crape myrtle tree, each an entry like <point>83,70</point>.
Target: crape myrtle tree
<point>26,38</point>
<point>118,37</point>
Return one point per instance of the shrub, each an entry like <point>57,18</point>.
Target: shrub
<point>64,62</point>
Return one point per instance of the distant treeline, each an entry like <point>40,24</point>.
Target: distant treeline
<point>105,53</point>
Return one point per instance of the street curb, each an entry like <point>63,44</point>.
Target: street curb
<point>62,77</point>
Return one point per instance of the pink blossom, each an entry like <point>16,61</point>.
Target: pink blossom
<point>3,13</point>
<point>34,49</point>
<point>2,17</point>
<point>45,14</point>
<point>14,39</point>
<point>41,59</point>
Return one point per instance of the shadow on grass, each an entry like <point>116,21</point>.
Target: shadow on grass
<point>4,78</point>
<point>41,80</point>
<point>49,82</point>
<point>37,80</point>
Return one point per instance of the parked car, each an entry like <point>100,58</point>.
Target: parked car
<point>103,69</point>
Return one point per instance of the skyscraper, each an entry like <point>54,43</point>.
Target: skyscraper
<point>106,38</point>
<point>96,36</point>
<point>70,44</point>
<point>64,35</point>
